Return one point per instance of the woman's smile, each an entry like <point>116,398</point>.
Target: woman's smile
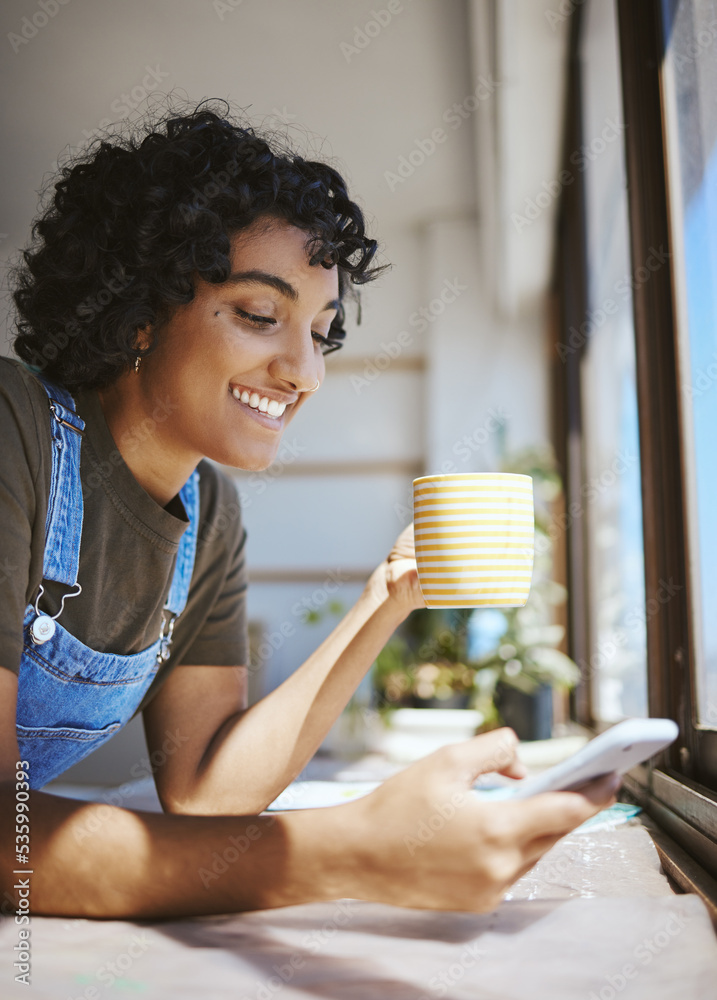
<point>268,411</point>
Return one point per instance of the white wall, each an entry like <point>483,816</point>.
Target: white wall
<point>484,369</point>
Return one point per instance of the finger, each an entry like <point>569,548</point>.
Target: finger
<point>558,813</point>
<point>493,751</point>
<point>535,849</point>
<point>542,846</point>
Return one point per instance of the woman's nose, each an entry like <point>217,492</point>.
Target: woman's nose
<point>300,364</point>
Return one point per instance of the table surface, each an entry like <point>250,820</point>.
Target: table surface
<point>595,918</point>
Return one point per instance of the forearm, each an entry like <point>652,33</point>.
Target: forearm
<point>259,752</point>
<point>95,860</point>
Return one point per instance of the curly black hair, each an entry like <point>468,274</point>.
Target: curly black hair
<point>134,220</point>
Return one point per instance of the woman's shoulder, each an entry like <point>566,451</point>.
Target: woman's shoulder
<point>24,413</point>
<point>18,383</point>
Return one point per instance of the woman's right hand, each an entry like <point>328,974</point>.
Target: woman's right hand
<point>424,840</point>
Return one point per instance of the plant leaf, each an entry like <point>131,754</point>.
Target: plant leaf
<point>555,665</point>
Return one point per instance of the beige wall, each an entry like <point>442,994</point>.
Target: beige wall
<point>369,96</point>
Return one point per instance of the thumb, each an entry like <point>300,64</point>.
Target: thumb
<point>493,751</point>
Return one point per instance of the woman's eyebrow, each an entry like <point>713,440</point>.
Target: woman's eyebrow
<point>274,281</point>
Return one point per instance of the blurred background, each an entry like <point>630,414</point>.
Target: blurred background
<point>448,121</point>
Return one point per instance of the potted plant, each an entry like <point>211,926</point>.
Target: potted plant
<point>515,680</point>
<point>425,664</point>
<point>517,670</point>
<point>424,685</point>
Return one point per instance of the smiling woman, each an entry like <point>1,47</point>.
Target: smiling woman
<point>175,306</point>
<point>240,359</point>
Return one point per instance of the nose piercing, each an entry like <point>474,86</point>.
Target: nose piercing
<point>315,387</point>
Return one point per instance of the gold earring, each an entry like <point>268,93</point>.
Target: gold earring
<point>137,362</point>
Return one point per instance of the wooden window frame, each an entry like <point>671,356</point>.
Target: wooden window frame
<point>678,789</point>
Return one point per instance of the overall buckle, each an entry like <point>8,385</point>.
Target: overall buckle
<point>165,637</point>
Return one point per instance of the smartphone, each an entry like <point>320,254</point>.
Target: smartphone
<point>617,749</point>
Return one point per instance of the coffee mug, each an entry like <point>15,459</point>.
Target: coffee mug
<point>474,538</point>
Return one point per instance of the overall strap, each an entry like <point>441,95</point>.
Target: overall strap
<point>183,567</point>
<point>63,526</point>
<point>179,589</point>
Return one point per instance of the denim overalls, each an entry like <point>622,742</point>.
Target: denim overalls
<point>70,697</point>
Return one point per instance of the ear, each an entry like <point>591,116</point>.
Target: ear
<point>143,337</point>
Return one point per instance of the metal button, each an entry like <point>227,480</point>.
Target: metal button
<point>42,629</point>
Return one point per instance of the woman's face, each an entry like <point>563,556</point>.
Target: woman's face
<point>240,359</point>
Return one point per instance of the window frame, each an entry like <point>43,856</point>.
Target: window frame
<point>678,789</point>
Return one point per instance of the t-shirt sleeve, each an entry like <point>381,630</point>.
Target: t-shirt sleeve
<point>222,639</point>
<point>21,476</point>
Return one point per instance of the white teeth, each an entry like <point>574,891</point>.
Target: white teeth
<point>271,407</point>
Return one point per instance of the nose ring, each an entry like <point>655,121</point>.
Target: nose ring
<point>318,383</point>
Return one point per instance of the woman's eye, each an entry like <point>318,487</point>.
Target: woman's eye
<point>258,321</point>
<point>326,344</point>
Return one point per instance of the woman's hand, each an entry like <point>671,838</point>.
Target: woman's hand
<point>396,579</point>
<point>426,841</point>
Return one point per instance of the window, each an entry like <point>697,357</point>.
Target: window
<point>690,74</point>
<point>638,234</point>
<point>611,450</point>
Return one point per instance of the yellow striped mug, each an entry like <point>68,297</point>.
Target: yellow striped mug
<point>474,539</point>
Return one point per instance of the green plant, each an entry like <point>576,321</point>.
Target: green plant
<point>526,654</point>
<point>426,662</point>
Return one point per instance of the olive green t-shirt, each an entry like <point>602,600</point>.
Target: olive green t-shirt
<point>128,547</point>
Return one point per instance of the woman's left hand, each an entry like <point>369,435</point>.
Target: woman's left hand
<point>396,579</point>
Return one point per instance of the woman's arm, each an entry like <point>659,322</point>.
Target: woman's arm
<point>234,760</point>
<point>420,840</point>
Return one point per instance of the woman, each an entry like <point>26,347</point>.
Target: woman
<point>175,306</point>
